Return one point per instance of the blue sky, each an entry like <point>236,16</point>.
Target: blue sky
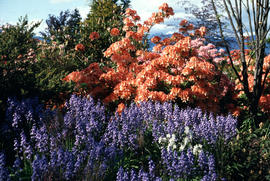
<point>36,10</point>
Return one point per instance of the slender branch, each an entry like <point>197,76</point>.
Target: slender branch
<point>238,19</point>
<point>236,9</point>
<point>260,4</point>
<point>231,21</point>
<point>226,45</point>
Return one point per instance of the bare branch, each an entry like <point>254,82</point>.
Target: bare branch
<point>249,20</point>
<point>231,20</point>
<point>258,25</point>
<point>238,19</point>
<point>226,45</point>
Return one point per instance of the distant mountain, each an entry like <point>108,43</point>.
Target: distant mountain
<point>38,37</point>
<point>233,43</point>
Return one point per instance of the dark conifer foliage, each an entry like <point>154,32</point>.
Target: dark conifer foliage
<point>64,28</point>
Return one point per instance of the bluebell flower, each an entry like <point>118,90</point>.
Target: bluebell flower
<point>40,167</point>
<point>25,146</point>
<point>42,139</point>
<point>4,174</point>
<point>89,142</point>
<point>151,166</point>
<point>69,165</point>
<point>122,175</point>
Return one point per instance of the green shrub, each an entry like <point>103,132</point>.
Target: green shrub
<point>53,64</point>
<point>17,57</point>
<point>248,155</point>
<point>16,40</point>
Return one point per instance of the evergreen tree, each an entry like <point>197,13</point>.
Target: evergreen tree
<point>103,16</point>
<point>64,28</point>
<point>17,40</point>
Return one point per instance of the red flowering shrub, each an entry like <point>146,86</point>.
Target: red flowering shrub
<point>90,77</point>
<point>115,32</point>
<point>93,36</point>
<point>79,47</point>
<point>179,69</point>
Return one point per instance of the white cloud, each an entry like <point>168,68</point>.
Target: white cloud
<point>84,10</point>
<point>41,27</point>
<point>60,1</point>
<point>145,8</point>
<point>163,29</point>
<point>2,22</point>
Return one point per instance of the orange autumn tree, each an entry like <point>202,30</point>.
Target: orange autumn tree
<point>180,68</point>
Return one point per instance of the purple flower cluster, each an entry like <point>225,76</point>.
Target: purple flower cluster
<point>167,118</point>
<point>207,163</point>
<point>87,117</point>
<point>24,116</point>
<point>24,113</point>
<point>141,175</point>
<point>83,142</point>
<point>62,148</point>
<point>211,129</point>
<point>40,167</point>
<point>4,175</point>
<point>178,165</point>
<point>124,131</point>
